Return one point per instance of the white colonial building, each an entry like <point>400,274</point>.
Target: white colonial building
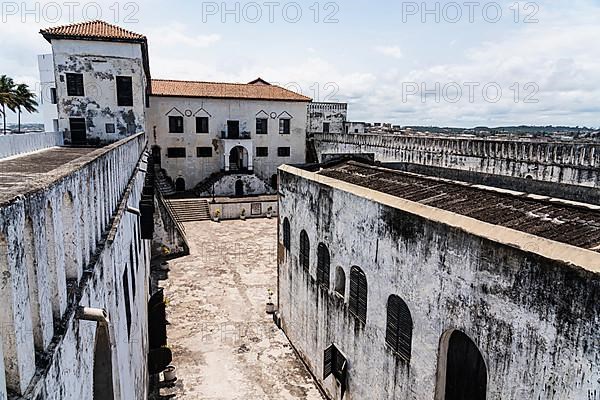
<point>227,137</point>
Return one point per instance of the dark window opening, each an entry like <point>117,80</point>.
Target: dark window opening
<point>262,152</point>
<point>335,363</point>
<point>127,304</point>
<point>53,96</point>
<point>323,261</point>
<point>325,127</point>
<point>239,188</point>
<point>180,185</point>
<point>283,151</point>
<point>287,238</point>
<point>176,152</point>
<point>124,91</point>
<point>399,327</point>
<point>284,126</point>
<point>78,130</point>
<point>233,129</point>
<point>357,302</point>
<point>110,128</point>
<point>466,373</point>
<point>304,255</point>
<point>340,281</point>
<point>274,182</point>
<point>75,85</point>
<point>201,124</point>
<point>175,124</point>
<point>262,126</point>
<point>204,152</point>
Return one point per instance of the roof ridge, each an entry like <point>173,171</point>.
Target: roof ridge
<point>65,30</point>
<point>214,82</point>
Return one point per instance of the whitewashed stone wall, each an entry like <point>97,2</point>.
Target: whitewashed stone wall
<point>534,320</point>
<point>576,164</point>
<point>58,250</point>
<point>194,169</point>
<point>333,113</point>
<point>100,63</point>
<point>16,144</point>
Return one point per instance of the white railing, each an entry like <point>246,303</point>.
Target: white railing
<point>14,144</point>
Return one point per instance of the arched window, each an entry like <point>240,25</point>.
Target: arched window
<point>180,185</point>
<point>340,281</point>
<point>239,187</point>
<point>462,367</point>
<point>323,266</point>
<point>398,333</point>
<point>358,294</point>
<point>304,255</point>
<point>287,239</point>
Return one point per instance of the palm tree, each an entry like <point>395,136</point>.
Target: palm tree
<point>25,99</point>
<point>7,96</point>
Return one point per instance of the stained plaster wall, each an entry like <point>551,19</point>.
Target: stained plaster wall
<point>333,113</point>
<point>195,169</point>
<point>575,164</point>
<point>100,63</point>
<point>54,263</point>
<point>534,320</point>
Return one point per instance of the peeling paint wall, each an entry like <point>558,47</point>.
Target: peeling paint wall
<point>196,169</point>
<point>333,113</point>
<point>100,63</point>
<point>533,319</point>
<point>252,186</point>
<point>575,164</point>
<point>48,353</point>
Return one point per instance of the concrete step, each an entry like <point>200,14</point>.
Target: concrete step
<point>190,210</point>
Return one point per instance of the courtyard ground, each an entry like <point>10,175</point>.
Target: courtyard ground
<point>224,344</point>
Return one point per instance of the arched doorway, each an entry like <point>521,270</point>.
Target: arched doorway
<point>274,182</point>
<point>238,159</point>
<point>239,187</point>
<point>103,380</point>
<point>180,185</point>
<point>462,370</point>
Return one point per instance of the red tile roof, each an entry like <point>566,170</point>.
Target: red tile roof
<point>256,90</point>
<point>93,30</point>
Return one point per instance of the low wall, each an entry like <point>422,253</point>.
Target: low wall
<point>15,144</point>
<point>254,209</point>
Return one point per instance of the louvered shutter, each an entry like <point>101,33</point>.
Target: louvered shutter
<point>323,265</point>
<point>399,327</point>
<point>328,358</point>
<point>286,234</point>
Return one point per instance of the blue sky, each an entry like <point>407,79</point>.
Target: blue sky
<point>536,63</point>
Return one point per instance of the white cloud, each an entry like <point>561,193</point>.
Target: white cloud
<point>390,51</point>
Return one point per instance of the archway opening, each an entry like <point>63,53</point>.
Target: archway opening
<point>274,182</point>
<point>103,380</point>
<point>180,185</point>
<point>239,187</point>
<point>463,373</point>
<point>238,159</point>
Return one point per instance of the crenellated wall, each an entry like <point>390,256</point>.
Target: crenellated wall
<point>570,163</point>
<point>70,242</point>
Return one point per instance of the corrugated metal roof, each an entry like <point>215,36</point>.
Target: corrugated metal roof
<point>565,223</point>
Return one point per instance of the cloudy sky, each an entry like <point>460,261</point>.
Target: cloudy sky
<point>411,63</point>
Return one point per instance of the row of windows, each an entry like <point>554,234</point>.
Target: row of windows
<point>202,126</point>
<point>76,87</point>
<point>399,325</point>
<point>206,152</point>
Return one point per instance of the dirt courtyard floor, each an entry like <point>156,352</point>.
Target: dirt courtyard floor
<point>224,344</point>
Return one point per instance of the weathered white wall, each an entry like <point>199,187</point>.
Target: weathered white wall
<point>575,164</point>
<point>234,210</point>
<point>333,113</point>
<point>252,186</point>
<point>49,110</point>
<point>62,253</point>
<point>533,319</point>
<point>194,169</point>
<point>100,63</point>
<point>16,144</point>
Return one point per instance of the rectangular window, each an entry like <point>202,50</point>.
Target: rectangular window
<point>233,129</point>
<point>262,152</point>
<point>283,151</point>
<point>325,127</point>
<point>110,128</point>
<point>201,124</point>
<point>204,151</point>
<point>124,91</point>
<point>175,124</point>
<point>176,152</point>
<point>284,126</point>
<point>262,126</point>
<point>75,85</point>
<point>53,95</point>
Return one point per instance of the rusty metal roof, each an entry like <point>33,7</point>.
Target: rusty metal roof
<point>94,30</point>
<point>256,90</point>
<point>573,224</point>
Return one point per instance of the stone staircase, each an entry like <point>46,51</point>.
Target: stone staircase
<point>206,185</point>
<point>164,184</point>
<point>189,210</point>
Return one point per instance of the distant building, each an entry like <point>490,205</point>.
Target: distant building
<point>399,286</point>
<point>48,96</point>
<point>355,127</point>
<point>327,117</point>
